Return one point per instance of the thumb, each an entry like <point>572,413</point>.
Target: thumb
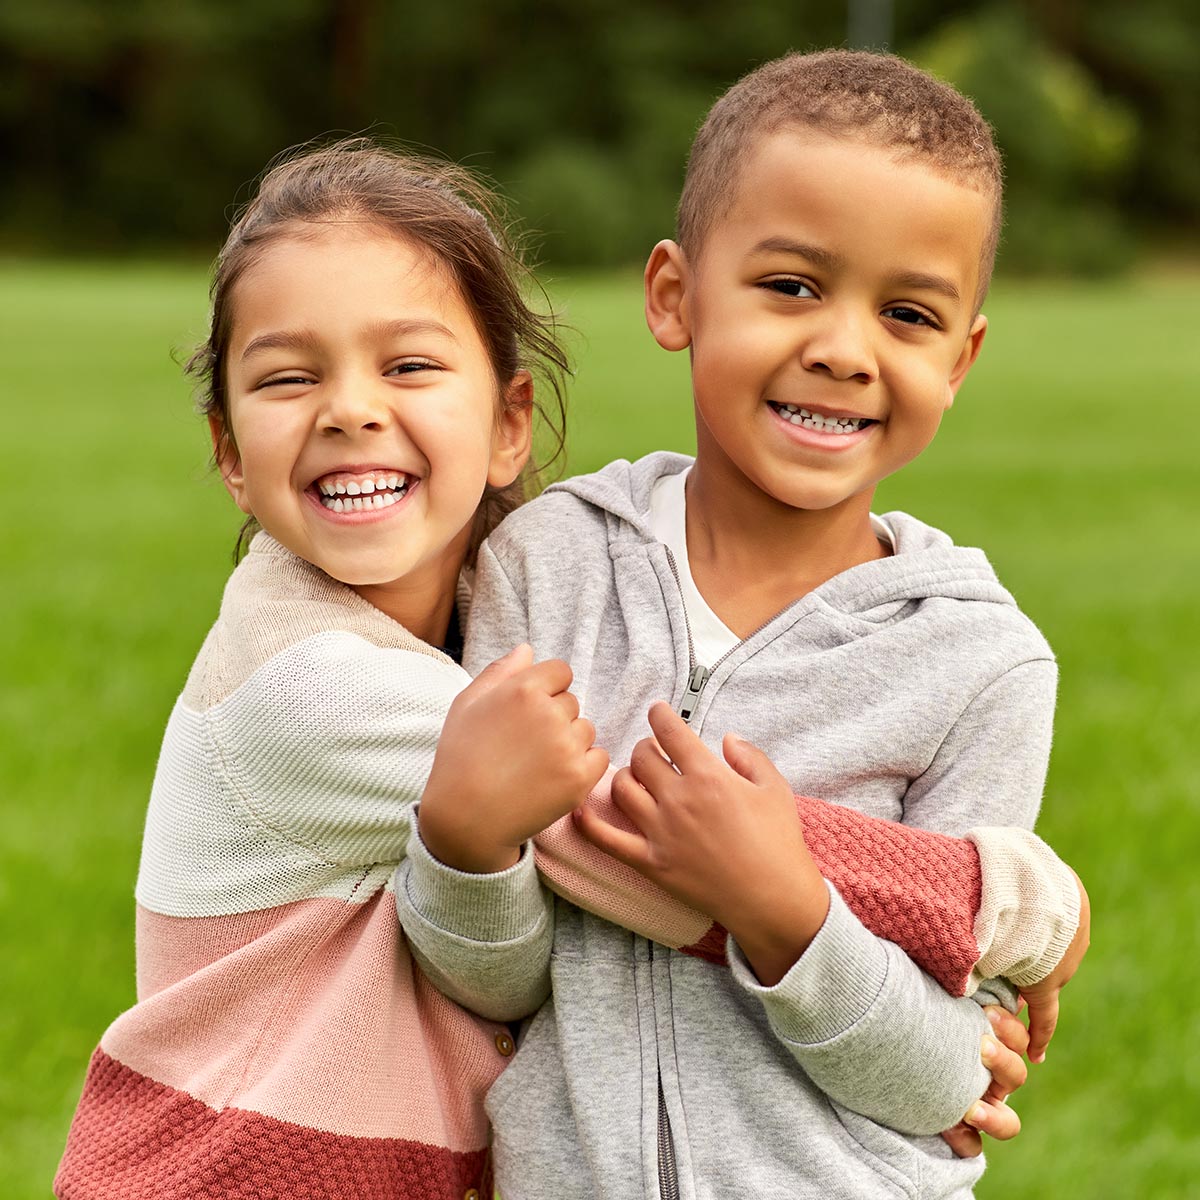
<point>749,761</point>
<point>495,673</point>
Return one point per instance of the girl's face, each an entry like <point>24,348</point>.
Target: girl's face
<point>365,414</point>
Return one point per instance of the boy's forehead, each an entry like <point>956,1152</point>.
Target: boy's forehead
<point>851,191</point>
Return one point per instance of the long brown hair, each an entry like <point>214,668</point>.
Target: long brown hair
<point>437,205</point>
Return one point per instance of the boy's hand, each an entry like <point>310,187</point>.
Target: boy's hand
<point>514,755</point>
<point>724,839</point>
<point>1042,998</point>
<point>1001,1054</point>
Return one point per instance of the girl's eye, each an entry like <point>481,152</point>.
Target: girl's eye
<point>909,316</point>
<point>285,380</point>
<point>788,286</point>
<point>411,367</point>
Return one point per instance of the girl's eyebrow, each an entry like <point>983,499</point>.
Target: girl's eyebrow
<point>304,339</point>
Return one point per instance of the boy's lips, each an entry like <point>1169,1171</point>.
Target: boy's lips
<point>822,428</point>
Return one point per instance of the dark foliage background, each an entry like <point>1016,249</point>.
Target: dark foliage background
<point>134,123</point>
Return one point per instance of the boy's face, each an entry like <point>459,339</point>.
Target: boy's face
<point>830,316</point>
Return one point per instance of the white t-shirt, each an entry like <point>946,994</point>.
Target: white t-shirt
<point>711,637</point>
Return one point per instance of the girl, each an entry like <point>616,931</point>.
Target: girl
<point>369,392</point>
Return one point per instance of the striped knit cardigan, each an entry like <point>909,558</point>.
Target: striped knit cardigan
<point>283,1043</point>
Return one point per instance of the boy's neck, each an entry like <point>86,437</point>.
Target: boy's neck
<point>751,556</point>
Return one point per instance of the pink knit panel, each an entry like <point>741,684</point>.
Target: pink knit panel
<point>134,1139</point>
<point>918,889</point>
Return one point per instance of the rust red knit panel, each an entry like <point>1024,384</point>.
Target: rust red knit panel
<point>916,888</point>
<point>134,1139</point>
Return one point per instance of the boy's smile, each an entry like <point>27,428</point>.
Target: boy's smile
<point>830,315</point>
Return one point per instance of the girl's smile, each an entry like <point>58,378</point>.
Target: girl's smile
<point>365,414</point>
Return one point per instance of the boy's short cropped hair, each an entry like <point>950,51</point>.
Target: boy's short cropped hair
<point>877,97</point>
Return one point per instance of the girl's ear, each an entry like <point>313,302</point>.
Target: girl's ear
<point>668,312</point>
<point>967,357</point>
<point>228,461</point>
<point>513,438</point>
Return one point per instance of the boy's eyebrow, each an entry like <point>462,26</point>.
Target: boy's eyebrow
<point>827,260</point>
<point>817,255</point>
<point>303,339</point>
<point>923,282</point>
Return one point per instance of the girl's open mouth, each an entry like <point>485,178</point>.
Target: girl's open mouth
<point>341,492</point>
<point>806,419</point>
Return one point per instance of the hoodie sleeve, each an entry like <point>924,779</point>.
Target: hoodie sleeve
<point>869,1028</point>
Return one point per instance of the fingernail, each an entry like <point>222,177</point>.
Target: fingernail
<point>989,1050</point>
<point>993,1015</point>
<point>976,1116</point>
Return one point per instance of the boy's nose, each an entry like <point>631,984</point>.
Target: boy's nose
<point>840,347</point>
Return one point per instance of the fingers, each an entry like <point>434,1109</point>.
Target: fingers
<point>963,1140</point>
<point>1043,1019</point>
<point>1008,1028</point>
<point>994,1118</point>
<point>748,760</point>
<point>1007,1068</point>
<point>495,673</point>
<point>627,846</point>
<point>633,801</point>
<point>650,768</point>
<point>679,743</point>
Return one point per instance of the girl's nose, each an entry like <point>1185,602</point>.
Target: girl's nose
<point>351,407</point>
<point>840,345</point>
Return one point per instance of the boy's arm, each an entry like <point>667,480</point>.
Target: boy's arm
<point>869,1028</point>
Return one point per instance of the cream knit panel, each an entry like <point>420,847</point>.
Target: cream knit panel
<point>299,784</point>
<point>272,601</point>
<point>1029,909</point>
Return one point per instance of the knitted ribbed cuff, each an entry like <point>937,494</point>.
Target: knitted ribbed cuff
<point>1029,907</point>
<point>499,907</point>
<point>829,988</point>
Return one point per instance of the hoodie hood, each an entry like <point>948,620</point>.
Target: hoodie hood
<point>927,564</point>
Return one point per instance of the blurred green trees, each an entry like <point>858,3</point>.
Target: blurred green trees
<point>135,123</point>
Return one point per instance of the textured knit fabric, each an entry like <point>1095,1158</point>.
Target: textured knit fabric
<point>910,688</point>
<point>283,1042</point>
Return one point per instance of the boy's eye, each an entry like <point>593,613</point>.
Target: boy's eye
<point>788,286</point>
<point>909,316</point>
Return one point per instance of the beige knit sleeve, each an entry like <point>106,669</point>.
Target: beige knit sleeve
<point>1029,907</point>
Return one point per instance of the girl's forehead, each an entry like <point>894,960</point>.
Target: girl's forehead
<point>337,274</point>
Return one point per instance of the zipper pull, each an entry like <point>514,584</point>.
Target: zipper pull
<point>696,681</point>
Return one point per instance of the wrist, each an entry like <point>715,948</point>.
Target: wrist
<point>463,849</point>
<point>775,934</point>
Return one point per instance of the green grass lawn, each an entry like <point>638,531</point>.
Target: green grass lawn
<point>1070,456</point>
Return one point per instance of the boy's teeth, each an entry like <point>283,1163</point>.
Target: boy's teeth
<point>812,420</point>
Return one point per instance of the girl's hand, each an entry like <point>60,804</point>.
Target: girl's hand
<point>723,837</point>
<point>1042,998</point>
<point>514,755</point>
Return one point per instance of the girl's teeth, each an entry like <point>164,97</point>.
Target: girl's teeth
<point>378,492</point>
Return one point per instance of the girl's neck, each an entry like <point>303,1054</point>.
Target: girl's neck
<point>752,556</point>
<point>422,601</point>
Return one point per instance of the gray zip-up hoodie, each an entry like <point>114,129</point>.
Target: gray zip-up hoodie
<point>910,687</point>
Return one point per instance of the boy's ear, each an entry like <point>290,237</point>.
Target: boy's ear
<point>513,438</point>
<point>668,311</point>
<point>966,359</point>
<point>229,462</point>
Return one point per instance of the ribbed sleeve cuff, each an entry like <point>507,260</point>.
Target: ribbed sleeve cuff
<point>1029,907</point>
<point>829,988</point>
<point>500,907</point>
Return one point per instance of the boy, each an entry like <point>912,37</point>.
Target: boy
<point>836,236</point>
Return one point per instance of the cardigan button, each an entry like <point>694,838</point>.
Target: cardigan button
<point>504,1044</point>
<point>471,1194</point>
